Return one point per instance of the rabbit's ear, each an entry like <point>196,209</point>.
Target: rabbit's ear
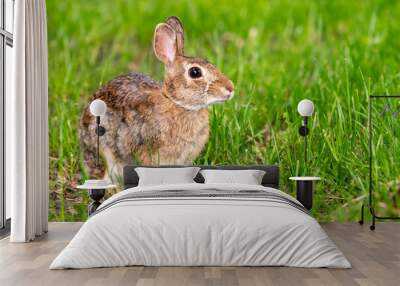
<point>176,24</point>
<point>165,43</point>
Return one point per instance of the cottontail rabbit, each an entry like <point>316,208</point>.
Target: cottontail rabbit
<point>159,123</point>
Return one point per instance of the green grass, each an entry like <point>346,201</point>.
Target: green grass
<point>276,52</point>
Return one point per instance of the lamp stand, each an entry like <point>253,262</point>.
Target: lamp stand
<point>100,131</point>
<point>97,194</point>
<point>304,131</point>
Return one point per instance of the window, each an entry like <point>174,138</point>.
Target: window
<point>6,65</point>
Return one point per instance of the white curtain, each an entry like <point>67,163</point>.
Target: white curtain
<point>27,127</point>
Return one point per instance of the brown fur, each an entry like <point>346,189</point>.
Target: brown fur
<point>160,123</point>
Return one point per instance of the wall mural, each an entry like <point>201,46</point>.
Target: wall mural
<point>271,54</point>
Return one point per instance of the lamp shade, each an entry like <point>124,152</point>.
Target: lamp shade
<point>305,107</point>
<point>98,107</point>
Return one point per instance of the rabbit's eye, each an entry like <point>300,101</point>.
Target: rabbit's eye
<point>195,72</point>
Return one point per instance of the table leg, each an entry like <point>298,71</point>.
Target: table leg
<point>304,193</point>
<point>96,195</point>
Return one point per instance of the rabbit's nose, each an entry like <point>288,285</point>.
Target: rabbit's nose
<point>229,87</point>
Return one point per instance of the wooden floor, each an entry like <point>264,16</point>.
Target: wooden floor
<point>375,257</point>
